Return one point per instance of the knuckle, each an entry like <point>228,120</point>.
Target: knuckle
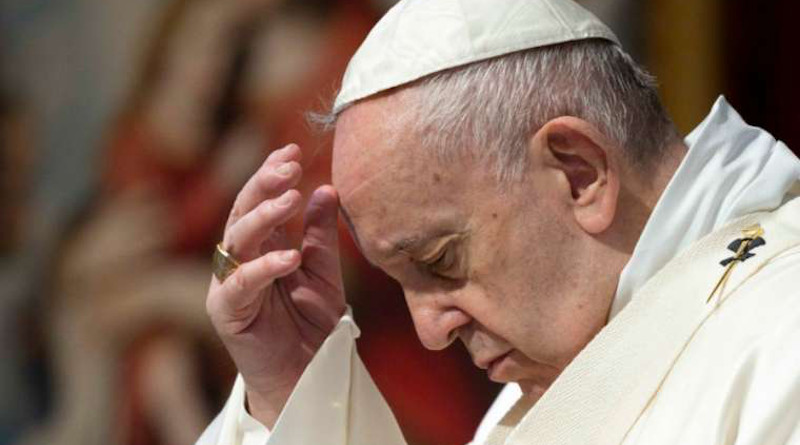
<point>234,214</point>
<point>265,212</point>
<point>265,181</point>
<point>238,282</point>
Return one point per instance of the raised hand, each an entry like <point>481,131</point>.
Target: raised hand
<point>275,310</point>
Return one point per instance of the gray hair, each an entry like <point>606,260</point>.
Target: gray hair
<point>490,109</point>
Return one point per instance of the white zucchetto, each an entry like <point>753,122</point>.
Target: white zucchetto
<point>421,37</point>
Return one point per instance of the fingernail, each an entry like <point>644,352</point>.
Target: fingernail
<point>287,256</point>
<point>284,200</point>
<point>285,169</point>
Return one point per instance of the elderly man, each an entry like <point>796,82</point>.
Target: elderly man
<point>514,170</point>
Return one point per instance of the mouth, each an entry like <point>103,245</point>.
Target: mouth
<point>490,362</point>
<point>499,369</point>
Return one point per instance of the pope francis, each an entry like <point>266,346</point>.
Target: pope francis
<point>514,170</point>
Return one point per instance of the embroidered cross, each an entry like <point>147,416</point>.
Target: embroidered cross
<point>751,239</point>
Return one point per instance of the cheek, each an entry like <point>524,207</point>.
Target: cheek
<point>523,262</point>
<point>504,297</point>
<point>502,269</point>
<point>532,300</point>
<point>513,265</point>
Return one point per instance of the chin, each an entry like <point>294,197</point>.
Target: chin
<point>530,389</point>
<point>531,376</point>
<point>505,369</point>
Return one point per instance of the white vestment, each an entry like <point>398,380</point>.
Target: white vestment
<point>668,368</point>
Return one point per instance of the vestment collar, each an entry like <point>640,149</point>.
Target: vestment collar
<point>731,169</point>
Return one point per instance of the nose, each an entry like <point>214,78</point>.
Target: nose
<point>436,319</point>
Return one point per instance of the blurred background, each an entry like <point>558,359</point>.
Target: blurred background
<point>126,128</point>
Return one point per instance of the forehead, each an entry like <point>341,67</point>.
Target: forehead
<point>369,136</point>
<point>391,188</point>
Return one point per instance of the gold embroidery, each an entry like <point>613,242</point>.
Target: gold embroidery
<point>750,235</point>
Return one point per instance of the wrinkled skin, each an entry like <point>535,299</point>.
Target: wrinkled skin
<point>506,271</point>
<point>523,274</point>
<point>275,310</point>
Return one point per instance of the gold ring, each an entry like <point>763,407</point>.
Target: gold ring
<point>223,263</point>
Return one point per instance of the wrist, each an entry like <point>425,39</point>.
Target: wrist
<point>266,395</point>
<point>266,406</point>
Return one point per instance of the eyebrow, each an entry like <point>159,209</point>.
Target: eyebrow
<point>404,245</point>
<point>407,244</point>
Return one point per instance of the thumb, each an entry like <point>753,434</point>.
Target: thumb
<point>321,236</point>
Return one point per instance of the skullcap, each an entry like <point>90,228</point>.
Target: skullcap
<point>421,37</point>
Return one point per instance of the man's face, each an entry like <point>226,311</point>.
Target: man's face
<point>505,270</point>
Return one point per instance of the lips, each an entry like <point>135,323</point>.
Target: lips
<point>487,362</point>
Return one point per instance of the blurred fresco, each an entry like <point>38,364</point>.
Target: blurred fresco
<point>126,129</point>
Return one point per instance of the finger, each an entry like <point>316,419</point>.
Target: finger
<point>279,172</point>
<point>268,182</point>
<point>236,300</point>
<point>291,152</point>
<point>320,248</point>
<point>277,240</point>
<point>245,237</point>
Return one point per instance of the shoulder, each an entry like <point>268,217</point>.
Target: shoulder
<point>761,312</point>
<point>769,299</point>
<point>739,376</point>
<point>771,296</point>
<point>764,385</point>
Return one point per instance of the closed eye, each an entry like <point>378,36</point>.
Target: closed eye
<point>443,264</point>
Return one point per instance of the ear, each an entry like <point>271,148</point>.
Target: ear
<point>583,156</point>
